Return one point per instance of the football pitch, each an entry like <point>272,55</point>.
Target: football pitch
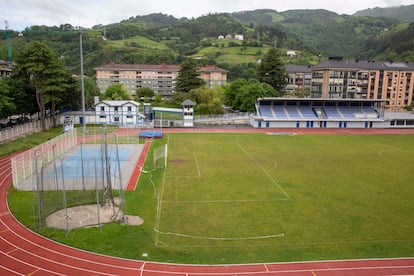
<point>291,197</point>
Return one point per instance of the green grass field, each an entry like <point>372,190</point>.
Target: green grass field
<point>234,198</point>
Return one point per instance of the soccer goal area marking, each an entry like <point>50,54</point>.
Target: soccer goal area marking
<point>206,198</point>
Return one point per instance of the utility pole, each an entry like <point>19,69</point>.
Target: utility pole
<point>82,82</point>
<point>9,46</point>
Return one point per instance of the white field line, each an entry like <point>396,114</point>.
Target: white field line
<point>197,166</point>
<point>222,238</point>
<point>380,155</point>
<point>225,201</point>
<point>190,176</point>
<point>263,169</point>
<point>159,243</point>
<point>274,166</point>
<point>159,202</point>
<point>355,270</point>
<point>291,244</point>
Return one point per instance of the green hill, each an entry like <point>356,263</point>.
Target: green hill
<point>160,38</point>
<point>321,31</point>
<point>403,13</point>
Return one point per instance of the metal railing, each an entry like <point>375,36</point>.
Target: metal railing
<point>16,131</point>
<point>222,118</point>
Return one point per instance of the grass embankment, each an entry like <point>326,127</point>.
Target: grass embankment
<point>29,141</point>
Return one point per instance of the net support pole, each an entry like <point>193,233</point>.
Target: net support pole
<point>39,206</point>
<point>64,200</point>
<point>121,188</point>
<point>97,196</point>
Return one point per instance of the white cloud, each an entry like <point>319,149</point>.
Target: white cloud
<point>24,13</point>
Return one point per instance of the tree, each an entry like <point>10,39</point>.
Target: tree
<point>91,90</point>
<point>7,106</point>
<point>231,90</point>
<point>56,84</point>
<point>272,70</point>
<point>117,91</point>
<point>73,100</point>
<point>40,73</point>
<point>23,94</point>
<point>188,77</point>
<point>250,93</point>
<point>242,95</point>
<point>209,100</point>
<point>145,92</point>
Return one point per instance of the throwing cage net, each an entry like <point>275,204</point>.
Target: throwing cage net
<point>78,188</point>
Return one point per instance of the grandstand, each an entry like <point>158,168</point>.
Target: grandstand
<point>323,113</point>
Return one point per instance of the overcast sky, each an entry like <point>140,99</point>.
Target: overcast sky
<point>87,13</point>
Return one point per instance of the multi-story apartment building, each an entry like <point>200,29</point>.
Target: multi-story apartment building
<point>299,80</point>
<point>342,79</point>
<point>160,78</point>
<point>213,75</point>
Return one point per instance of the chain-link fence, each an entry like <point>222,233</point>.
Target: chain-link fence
<point>23,164</point>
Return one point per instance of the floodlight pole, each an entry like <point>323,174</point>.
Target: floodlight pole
<point>82,81</point>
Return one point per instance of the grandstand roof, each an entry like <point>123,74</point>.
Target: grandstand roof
<point>320,100</point>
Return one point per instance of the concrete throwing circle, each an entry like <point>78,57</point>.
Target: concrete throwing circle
<point>83,215</point>
<point>87,215</point>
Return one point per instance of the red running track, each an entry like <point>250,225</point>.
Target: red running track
<point>23,252</point>
<point>133,181</point>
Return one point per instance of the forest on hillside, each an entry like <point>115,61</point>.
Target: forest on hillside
<point>158,38</point>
